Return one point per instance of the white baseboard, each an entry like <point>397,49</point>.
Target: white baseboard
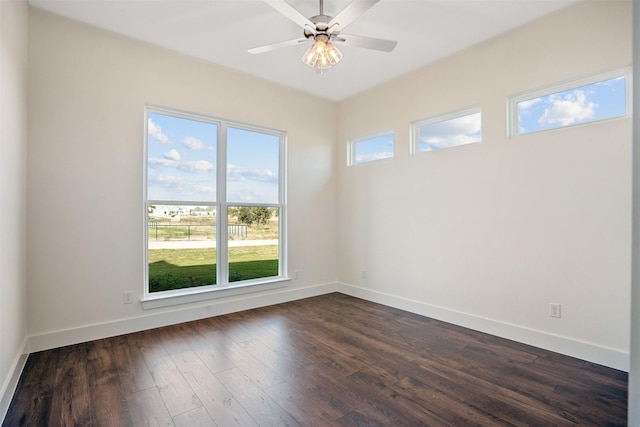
<point>11,382</point>
<point>586,351</point>
<point>189,313</point>
<point>582,350</point>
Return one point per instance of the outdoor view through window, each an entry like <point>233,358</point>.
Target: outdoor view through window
<point>189,244</point>
<point>596,101</point>
<point>450,130</point>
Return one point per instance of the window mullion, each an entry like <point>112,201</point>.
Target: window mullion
<point>222,252</point>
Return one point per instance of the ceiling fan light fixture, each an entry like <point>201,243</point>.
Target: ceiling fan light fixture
<point>322,54</point>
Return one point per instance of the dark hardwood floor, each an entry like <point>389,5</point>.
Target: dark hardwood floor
<point>331,360</point>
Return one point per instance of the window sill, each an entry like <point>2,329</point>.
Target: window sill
<point>193,295</point>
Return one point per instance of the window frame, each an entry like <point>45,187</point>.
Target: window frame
<point>223,286</point>
<point>513,100</point>
<point>414,128</point>
<point>352,142</point>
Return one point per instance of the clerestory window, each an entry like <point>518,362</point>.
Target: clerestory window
<point>600,97</point>
<point>372,147</point>
<point>448,130</point>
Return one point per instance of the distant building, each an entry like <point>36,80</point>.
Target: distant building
<point>174,213</point>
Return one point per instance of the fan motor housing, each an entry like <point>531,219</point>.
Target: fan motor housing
<point>322,26</point>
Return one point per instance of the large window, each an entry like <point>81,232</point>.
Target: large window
<point>449,130</point>
<point>214,204</point>
<point>596,98</point>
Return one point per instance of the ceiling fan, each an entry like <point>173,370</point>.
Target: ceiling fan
<point>324,31</point>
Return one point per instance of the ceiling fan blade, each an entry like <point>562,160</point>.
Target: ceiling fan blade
<point>351,12</point>
<point>274,46</point>
<point>366,42</point>
<point>290,12</point>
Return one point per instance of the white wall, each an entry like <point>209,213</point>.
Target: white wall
<point>13,202</point>
<point>87,93</point>
<point>488,235</point>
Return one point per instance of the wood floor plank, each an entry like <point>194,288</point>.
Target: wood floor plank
<point>306,406</point>
<point>219,403</point>
<point>108,405</point>
<point>259,405</point>
<point>217,400</point>
<point>134,373</point>
<point>176,392</point>
<point>198,417</point>
<point>71,397</point>
<point>505,404</point>
<point>173,338</point>
<point>380,405</point>
<point>28,408</point>
<point>281,361</point>
<point>326,360</point>
<point>251,366</point>
<point>147,408</point>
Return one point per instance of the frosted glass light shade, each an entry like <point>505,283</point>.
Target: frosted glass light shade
<point>322,54</point>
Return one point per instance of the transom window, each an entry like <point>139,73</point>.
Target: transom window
<point>448,130</point>
<point>371,147</point>
<point>600,97</point>
<point>214,204</point>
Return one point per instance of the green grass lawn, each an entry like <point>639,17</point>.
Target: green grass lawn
<point>186,268</point>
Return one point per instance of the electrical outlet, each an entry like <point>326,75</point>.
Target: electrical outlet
<point>364,274</point>
<point>296,274</point>
<point>128,297</point>
<point>554,310</point>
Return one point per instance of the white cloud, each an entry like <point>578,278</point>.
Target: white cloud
<point>196,166</point>
<point>525,105</point>
<point>167,180</point>
<point>451,133</point>
<point>155,132</point>
<point>574,107</point>
<point>155,162</point>
<point>437,143</point>
<point>373,156</point>
<point>172,155</point>
<point>235,173</point>
<point>206,189</point>
<point>172,160</point>
<point>469,124</point>
<point>193,143</point>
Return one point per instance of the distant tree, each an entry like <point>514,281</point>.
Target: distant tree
<point>246,215</point>
<point>262,214</point>
<point>258,214</point>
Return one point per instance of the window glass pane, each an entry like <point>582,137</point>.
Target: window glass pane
<point>253,160</point>
<point>374,148</point>
<point>183,234</point>
<point>597,101</point>
<point>253,242</point>
<point>181,159</point>
<point>454,132</point>
<point>181,246</point>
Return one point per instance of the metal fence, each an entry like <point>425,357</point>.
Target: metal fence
<point>192,232</point>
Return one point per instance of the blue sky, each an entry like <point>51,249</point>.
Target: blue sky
<point>182,162</point>
<point>252,166</point>
<point>596,101</point>
<point>376,148</point>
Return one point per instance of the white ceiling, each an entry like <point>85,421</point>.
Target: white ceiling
<point>220,31</point>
